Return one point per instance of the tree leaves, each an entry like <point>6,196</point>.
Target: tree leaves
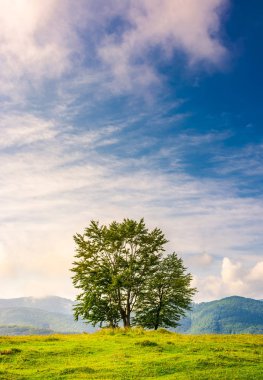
<point>121,271</point>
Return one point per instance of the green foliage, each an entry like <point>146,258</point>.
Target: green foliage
<point>166,296</point>
<point>147,343</point>
<point>130,355</point>
<point>112,267</point>
<point>121,271</point>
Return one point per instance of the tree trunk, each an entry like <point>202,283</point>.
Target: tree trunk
<point>128,310</point>
<point>157,320</point>
<point>123,317</point>
<point>156,325</point>
<point>128,320</point>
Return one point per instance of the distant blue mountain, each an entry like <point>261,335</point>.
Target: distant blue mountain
<point>231,315</point>
<point>29,315</point>
<point>51,303</point>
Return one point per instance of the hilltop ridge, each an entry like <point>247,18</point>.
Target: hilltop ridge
<point>30,315</point>
<point>230,315</point>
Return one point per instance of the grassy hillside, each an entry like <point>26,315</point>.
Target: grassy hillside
<point>127,355</point>
<point>231,315</point>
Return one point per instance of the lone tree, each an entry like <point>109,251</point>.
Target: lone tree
<point>121,272</point>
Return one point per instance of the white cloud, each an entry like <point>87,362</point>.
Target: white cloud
<point>256,273</point>
<point>52,190</point>
<point>24,129</point>
<point>5,264</point>
<point>230,271</point>
<point>204,259</point>
<point>190,26</point>
<point>42,40</point>
<point>232,276</point>
<point>235,279</point>
<point>54,180</point>
<point>54,175</point>
<point>38,40</point>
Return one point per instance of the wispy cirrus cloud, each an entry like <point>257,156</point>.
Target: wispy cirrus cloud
<point>24,129</point>
<point>247,161</point>
<point>33,46</point>
<point>82,139</point>
<point>43,41</point>
<point>190,26</point>
<point>51,190</point>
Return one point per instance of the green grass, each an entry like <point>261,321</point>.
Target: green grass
<point>132,354</point>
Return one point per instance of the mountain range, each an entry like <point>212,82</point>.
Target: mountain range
<point>231,315</point>
<point>29,315</point>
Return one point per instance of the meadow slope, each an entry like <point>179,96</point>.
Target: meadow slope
<point>131,354</point>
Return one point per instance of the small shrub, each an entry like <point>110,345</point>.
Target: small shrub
<point>10,351</point>
<point>164,331</point>
<point>147,343</point>
<point>138,330</point>
<point>51,339</point>
<point>108,331</point>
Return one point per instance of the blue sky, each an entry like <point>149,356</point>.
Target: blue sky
<point>132,108</point>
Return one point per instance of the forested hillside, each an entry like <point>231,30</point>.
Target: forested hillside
<point>26,316</point>
<point>232,315</point>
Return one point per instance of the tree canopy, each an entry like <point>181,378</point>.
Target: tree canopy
<point>123,275</point>
<point>166,296</point>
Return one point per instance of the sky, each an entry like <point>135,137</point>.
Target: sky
<point>128,109</point>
